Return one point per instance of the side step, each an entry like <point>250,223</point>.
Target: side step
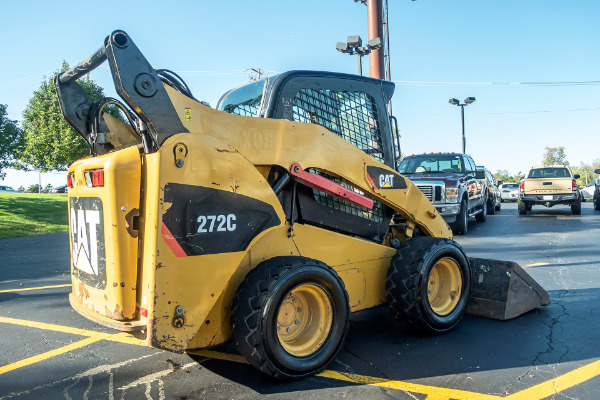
<point>503,290</point>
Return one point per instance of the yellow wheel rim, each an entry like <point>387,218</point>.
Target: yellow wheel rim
<point>444,286</point>
<point>304,320</point>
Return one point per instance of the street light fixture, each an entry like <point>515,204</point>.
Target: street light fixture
<point>455,102</point>
<point>354,46</point>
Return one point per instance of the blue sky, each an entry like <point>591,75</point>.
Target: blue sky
<point>515,56</point>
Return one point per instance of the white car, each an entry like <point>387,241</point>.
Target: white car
<point>588,191</point>
<point>509,191</point>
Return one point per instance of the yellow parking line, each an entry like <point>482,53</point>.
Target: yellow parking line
<point>560,383</point>
<point>534,265</point>
<point>432,392</point>
<point>50,327</point>
<point>121,337</point>
<point>49,354</point>
<point>537,392</point>
<point>34,288</point>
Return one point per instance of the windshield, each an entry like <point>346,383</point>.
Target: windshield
<point>245,100</point>
<point>510,186</point>
<point>549,173</point>
<point>431,164</point>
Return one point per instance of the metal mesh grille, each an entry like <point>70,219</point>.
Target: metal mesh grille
<point>351,115</point>
<point>376,214</point>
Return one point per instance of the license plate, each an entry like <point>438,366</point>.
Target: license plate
<point>550,197</point>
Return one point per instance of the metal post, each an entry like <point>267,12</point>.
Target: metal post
<point>376,62</point>
<point>464,141</point>
<point>359,65</point>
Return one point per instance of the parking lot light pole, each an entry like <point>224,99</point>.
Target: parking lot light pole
<point>455,102</point>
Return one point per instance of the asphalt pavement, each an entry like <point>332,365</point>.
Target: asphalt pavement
<point>49,351</point>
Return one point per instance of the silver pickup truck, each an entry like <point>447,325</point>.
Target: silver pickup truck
<point>549,186</point>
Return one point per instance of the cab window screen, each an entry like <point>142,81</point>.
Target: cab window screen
<point>351,115</point>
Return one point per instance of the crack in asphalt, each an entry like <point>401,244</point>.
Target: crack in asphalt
<point>553,343</point>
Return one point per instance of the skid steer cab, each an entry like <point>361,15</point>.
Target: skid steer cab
<point>266,221</point>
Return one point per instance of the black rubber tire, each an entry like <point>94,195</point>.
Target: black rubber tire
<point>408,278</point>
<point>461,225</point>
<point>596,201</point>
<point>522,206</point>
<point>254,316</point>
<point>491,207</point>
<point>482,216</point>
<point>576,208</point>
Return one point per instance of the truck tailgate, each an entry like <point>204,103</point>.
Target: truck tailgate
<point>548,186</point>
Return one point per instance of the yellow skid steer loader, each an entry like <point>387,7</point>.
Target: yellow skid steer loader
<point>267,220</point>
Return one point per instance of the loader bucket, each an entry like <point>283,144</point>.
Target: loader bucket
<point>503,290</point>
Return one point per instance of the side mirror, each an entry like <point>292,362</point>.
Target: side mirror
<point>479,174</point>
<point>597,171</point>
<point>500,183</point>
<point>576,176</point>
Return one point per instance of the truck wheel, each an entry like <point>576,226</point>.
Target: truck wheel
<point>429,284</point>
<point>482,216</point>
<point>576,208</point>
<point>491,207</point>
<point>290,317</point>
<point>461,225</point>
<point>522,207</point>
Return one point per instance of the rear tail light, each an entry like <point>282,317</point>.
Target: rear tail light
<point>522,185</point>
<point>70,179</point>
<point>94,178</point>
<point>574,183</point>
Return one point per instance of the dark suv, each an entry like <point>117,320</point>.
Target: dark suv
<point>494,199</point>
<point>452,182</point>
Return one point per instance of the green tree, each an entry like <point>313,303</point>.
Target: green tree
<point>506,177</point>
<point>47,188</point>
<point>21,189</point>
<point>11,140</point>
<point>586,172</point>
<point>555,156</point>
<point>33,189</point>
<point>50,143</point>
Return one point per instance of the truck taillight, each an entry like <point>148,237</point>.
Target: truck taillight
<point>574,183</point>
<point>94,178</point>
<point>522,185</point>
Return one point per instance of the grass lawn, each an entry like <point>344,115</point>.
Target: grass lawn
<point>25,214</point>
